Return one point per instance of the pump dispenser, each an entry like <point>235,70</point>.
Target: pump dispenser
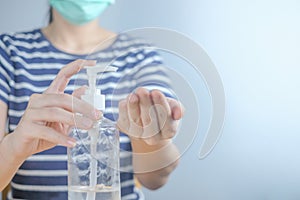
<point>93,164</point>
<point>93,95</point>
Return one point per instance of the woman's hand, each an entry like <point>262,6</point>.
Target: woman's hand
<point>49,116</point>
<point>149,116</point>
<point>151,120</point>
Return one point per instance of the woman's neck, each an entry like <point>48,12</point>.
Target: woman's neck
<point>76,39</point>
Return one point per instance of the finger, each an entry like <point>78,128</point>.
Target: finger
<point>133,109</point>
<point>145,105</point>
<point>123,122</point>
<point>135,125</point>
<point>163,114</point>
<point>50,135</point>
<point>79,91</point>
<point>163,109</point>
<point>59,115</point>
<point>62,79</point>
<point>148,115</point>
<point>177,109</point>
<point>65,101</point>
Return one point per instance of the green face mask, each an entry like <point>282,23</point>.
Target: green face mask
<point>79,12</point>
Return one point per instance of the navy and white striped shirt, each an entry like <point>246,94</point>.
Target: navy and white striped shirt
<point>29,63</point>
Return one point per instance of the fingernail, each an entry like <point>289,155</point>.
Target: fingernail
<point>133,98</point>
<point>71,143</point>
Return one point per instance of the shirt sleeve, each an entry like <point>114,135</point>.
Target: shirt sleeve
<point>153,74</point>
<point>6,71</point>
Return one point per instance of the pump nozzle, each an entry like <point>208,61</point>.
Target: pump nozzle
<point>93,95</point>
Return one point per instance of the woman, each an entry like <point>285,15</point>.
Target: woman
<point>40,111</point>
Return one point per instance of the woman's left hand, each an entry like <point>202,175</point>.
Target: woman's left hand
<point>149,116</point>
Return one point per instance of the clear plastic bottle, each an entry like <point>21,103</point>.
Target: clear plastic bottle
<point>93,164</point>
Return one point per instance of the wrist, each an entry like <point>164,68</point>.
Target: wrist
<point>13,152</point>
<point>154,158</point>
<point>141,146</point>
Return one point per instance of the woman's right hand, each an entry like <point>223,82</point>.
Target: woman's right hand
<point>49,117</point>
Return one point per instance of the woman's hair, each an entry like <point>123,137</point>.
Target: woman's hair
<point>50,15</point>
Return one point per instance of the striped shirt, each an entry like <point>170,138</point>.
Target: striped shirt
<point>29,63</point>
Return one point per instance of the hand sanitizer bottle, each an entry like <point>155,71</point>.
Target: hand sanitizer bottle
<point>93,164</point>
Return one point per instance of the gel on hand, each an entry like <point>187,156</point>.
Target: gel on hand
<point>93,164</point>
